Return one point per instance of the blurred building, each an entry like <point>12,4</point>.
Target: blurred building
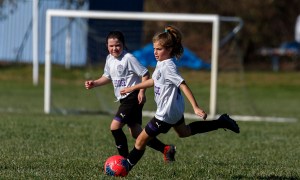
<point>87,36</point>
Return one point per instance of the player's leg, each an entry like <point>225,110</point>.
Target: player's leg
<point>121,118</point>
<point>151,131</point>
<point>224,121</point>
<point>119,137</point>
<point>153,143</point>
<point>167,150</point>
<point>182,129</point>
<point>193,128</point>
<point>139,148</point>
<point>136,114</point>
<point>135,130</point>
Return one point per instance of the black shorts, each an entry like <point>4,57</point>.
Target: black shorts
<point>155,126</point>
<point>130,111</point>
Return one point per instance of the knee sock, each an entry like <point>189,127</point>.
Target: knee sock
<point>121,142</point>
<point>156,144</point>
<point>134,156</point>
<point>204,126</point>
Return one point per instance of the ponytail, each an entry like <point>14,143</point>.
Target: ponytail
<point>170,38</point>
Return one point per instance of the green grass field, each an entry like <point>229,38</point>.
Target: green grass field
<point>74,141</point>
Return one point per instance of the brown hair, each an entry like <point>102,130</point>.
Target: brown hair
<point>170,38</point>
<point>118,35</point>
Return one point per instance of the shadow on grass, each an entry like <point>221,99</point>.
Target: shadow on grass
<point>80,112</point>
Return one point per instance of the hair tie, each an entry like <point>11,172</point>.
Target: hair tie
<point>166,30</point>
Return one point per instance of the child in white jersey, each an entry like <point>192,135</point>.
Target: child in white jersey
<point>123,70</point>
<point>168,85</point>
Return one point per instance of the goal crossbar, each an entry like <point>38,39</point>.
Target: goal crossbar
<point>113,15</point>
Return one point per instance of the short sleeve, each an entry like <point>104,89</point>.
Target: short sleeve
<point>106,72</point>
<point>135,66</point>
<point>172,75</point>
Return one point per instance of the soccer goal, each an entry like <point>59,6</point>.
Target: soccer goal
<point>211,19</point>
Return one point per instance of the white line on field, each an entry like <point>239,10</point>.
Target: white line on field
<point>186,115</point>
<point>235,117</point>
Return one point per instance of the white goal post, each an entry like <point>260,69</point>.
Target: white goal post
<point>114,15</point>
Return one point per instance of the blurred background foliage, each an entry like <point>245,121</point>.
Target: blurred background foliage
<point>267,23</point>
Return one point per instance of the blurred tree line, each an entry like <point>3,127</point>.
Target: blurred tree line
<point>266,23</point>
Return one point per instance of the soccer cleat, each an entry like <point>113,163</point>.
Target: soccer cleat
<point>229,123</point>
<point>169,153</point>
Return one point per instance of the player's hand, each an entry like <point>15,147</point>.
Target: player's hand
<point>125,91</point>
<point>141,98</point>
<point>201,113</point>
<point>89,84</point>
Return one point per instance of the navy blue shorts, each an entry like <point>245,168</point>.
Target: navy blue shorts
<point>155,126</point>
<point>130,111</point>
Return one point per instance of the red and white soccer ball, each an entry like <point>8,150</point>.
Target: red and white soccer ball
<point>116,166</point>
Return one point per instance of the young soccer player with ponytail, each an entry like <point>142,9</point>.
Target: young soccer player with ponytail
<point>168,87</point>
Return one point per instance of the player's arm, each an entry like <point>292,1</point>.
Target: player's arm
<point>99,82</point>
<point>142,96</point>
<point>188,93</point>
<point>143,85</point>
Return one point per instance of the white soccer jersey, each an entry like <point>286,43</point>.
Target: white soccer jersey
<point>170,103</point>
<point>124,71</point>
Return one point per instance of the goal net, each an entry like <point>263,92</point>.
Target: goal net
<point>193,26</point>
